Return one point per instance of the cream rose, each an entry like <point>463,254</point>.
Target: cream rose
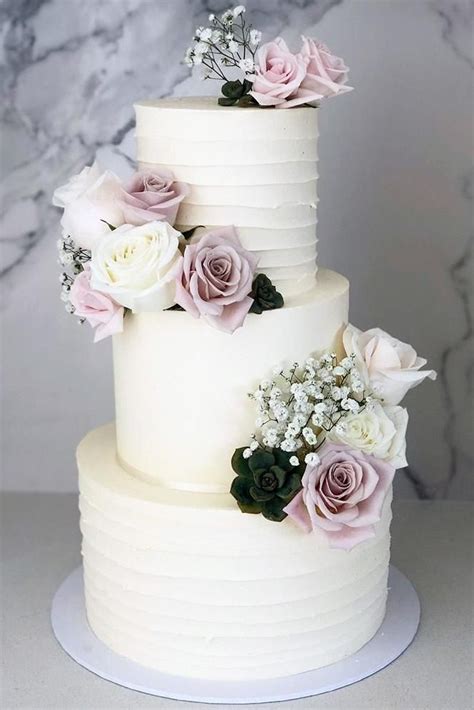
<point>137,266</point>
<point>389,366</point>
<point>377,431</point>
<point>90,200</point>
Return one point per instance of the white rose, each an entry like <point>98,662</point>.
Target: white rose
<point>137,266</point>
<point>89,200</point>
<point>377,431</point>
<point>389,366</point>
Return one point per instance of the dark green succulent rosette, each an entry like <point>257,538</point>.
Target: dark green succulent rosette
<point>265,296</point>
<point>265,482</point>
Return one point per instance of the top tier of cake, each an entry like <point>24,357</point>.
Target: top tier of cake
<point>251,167</point>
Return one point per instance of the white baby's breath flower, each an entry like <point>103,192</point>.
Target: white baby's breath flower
<point>309,436</point>
<point>238,10</point>
<point>201,48</point>
<point>255,37</point>
<point>312,459</point>
<point>206,34</point>
<point>212,17</point>
<point>216,36</point>
<point>188,57</point>
<point>199,31</point>
<point>69,307</point>
<point>227,17</point>
<point>294,461</point>
<point>253,445</point>
<point>246,65</point>
<point>233,46</point>
<point>247,453</point>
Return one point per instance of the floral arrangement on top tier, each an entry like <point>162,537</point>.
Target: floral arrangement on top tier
<point>271,75</point>
<point>121,251</point>
<point>330,436</point>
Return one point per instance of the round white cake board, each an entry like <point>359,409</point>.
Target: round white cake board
<point>70,626</point>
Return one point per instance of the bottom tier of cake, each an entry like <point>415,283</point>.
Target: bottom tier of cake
<point>187,584</point>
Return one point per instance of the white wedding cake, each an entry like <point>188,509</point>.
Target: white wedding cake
<point>227,536</point>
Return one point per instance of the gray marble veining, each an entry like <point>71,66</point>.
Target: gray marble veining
<point>395,212</point>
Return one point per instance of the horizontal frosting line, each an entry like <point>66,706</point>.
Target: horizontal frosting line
<point>262,238</point>
<point>236,627</point>
<point>216,647</point>
<point>231,152</point>
<point>272,258</point>
<point>215,540</point>
<point>260,616</point>
<point>286,216</point>
<point>270,668</point>
<point>217,532</point>
<point>261,196</point>
<point>243,175</point>
<point>175,565</point>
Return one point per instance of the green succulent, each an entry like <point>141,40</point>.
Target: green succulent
<point>265,296</point>
<point>265,482</point>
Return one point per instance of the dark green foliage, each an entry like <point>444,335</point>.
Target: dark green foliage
<point>265,482</point>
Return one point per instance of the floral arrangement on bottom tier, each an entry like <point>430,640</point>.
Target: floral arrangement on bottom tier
<point>122,252</point>
<point>330,436</point>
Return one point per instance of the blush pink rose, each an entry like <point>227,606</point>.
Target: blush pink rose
<point>342,495</point>
<point>215,279</point>
<point>326,74</point>
<point>278,74</point>
<point>99,310</point>
<point>151,196</point>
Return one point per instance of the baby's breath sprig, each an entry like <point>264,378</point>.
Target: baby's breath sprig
<point>303,403</point>
<point>228,43</point>
<point>73,258</point>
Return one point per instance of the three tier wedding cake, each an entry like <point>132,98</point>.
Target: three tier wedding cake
<point>235,517</point>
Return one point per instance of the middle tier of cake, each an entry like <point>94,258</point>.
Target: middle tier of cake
<point>181,386</point>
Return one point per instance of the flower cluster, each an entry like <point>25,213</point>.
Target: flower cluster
<point>339,424</point>
<point>271,75</point>
<point>304,402</point>
<point>227,44</point>
<point>121,251</point>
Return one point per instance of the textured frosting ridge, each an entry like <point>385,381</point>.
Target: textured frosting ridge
<point>180,431</point>
<point>242,598</point>
<point>248,167</point>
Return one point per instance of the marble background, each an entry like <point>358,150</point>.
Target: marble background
<point>395,213</point>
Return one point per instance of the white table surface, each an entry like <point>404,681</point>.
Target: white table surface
<point>432,545</point>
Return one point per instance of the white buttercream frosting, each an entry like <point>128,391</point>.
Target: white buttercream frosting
<point>181,386</point>
<point>185,583</point>
<point>249,167</point>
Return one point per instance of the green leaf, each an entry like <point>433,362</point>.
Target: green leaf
<point>260,460</point>
<point>226,102</point>
<point>240,465</point>
<point>240,490</point>
<point>233,89</point>
<point>282,459</point>
<point>110,226</point>
<point>273,510</point>
<point>247,101</point>
<point>280,474</point>
<point>255,308</point>
<point>292,486</point>
<point>259,495</point>
<point>189,232</point>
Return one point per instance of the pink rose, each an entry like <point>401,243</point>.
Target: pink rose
<point>151,196</point>
<point>326,74</point>
<point>100,311</point>
<point>278,74</point>
<point>215,279</point>
<point>342,495</point>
